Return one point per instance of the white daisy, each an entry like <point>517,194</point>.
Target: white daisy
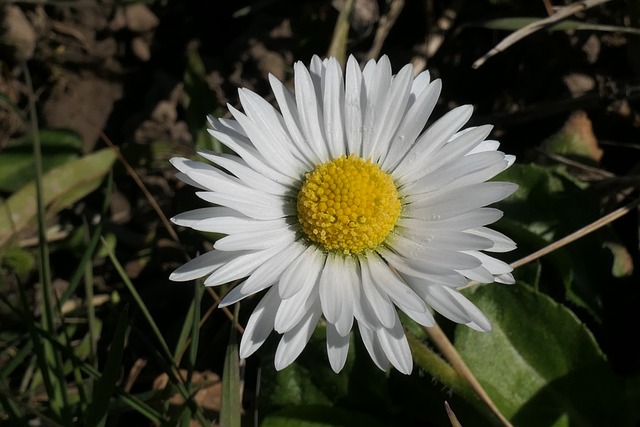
<point>342,208</point>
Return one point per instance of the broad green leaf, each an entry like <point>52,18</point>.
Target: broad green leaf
<point>104,388</point>
<point>308,381</point>
<point>62,186</point>
<point>540,364</point>
<point>16,160</point>
<point>318,416</point>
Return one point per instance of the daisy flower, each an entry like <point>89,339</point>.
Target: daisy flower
<point>342,207</point>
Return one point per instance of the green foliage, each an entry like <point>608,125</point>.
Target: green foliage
<point>539,355</point>
<point>62,186</point>
<point>16,163</point>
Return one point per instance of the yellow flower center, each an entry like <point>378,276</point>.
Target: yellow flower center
<point>348,205</point>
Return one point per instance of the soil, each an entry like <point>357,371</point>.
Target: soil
<point>142,75</point>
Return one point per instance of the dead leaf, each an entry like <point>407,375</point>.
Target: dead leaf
<point>209,394</point>
<point>575,139</point>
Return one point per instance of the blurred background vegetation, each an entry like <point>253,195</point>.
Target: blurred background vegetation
<point>97,95</point>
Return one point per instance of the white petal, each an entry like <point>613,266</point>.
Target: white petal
<point>464,221</point>
<point>391,112</point>
<point>334,108</point>
<point>495,266</point>
<point>394,344</point>
<point>289,111</point>
<point>244,148</point>
<point>203,265</point>
<point>190,218</point>
<point>293,309</point>
<point>388,281</point>
<point>257,239</point>
<point>264,276</point>
<point>478,320</point>
<point>242,265</point>
<point>377,299</point>
<point>351,281</point>
<point>488,145</point>
<point>272,152</point>
<point>302,273</point>
<point>372,344</point>
<point>354,105</point>
<point>501,243</point>
<point>240,292</point>
<point>459,145</point>
<point>260,324</point>
<point>294,341</point>
<point>228,221</point>
<point>412,124</point>
<point>363,311</point>
<point>462,171</point>
<point>479,274</point>
<point>419,84</point>
<point>337,348</point>
<point>444,258</point>
<point>506,278</point>
<point>377,85</point>
<point>446,239</point>
<point>250,203</point>
<point>421,318</point>
<point>331,288</point>
<point>442,300</point>
<point>458,201</point>
<point>309,112</point>
<point>250,177</point>
<point>416,268</point>
<point>430,142</point>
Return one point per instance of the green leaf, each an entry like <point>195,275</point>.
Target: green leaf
<point>105,386</point>
<point>318,416</point>
<point>17,260</point>
<point>62,186</point>
<point>16,163</point>
<point>540,363</point>
<point>308,381</point>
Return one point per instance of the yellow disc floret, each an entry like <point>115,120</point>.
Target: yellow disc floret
<point>348,205</point>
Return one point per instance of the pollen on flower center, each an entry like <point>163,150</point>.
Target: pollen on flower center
<point>348,205</point>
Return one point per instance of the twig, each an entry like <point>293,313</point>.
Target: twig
<point>569,162</point>
<point>435,37</point>
<point>338,46</point>
<point>152,201</point>
<point>577,234</point>
<point>548,7</point>
<point>132,173</point>
<point>384,26</point>
<point>523,32</point>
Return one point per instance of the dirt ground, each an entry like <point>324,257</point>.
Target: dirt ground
<point>144,74</point>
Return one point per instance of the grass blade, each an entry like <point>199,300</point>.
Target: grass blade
<point>136,296</point>
<point>105,386</point>
<point>53,367</point>
<point>231,393</point>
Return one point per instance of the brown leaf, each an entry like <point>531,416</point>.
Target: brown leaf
<point>209,391</point>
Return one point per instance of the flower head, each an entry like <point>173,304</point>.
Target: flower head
<point>343,208</point>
